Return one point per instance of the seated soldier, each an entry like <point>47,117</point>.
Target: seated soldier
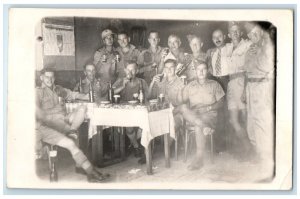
<point>99,86</point>
<point>54,125</point>
<point>202,98</point>
<point>127,87</point>
<point>171,86</point>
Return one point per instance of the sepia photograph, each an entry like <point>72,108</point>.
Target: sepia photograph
<point>150,99</point>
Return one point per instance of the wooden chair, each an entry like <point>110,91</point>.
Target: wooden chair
<point>189,131</point>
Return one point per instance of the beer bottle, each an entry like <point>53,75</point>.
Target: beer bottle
<point>53,171</point>
<point>80,85</point>
<point>110,93</point>
<point>141,94</point>
<point>187,61</point>
<point>91,94</point>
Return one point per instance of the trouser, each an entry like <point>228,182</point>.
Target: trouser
<point>260,105</point>
<point>65,123</point>
<point>53,137</point>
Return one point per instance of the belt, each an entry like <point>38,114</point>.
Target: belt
<point>263,79</point>
<point>224,76</point>
<point>237,75</point>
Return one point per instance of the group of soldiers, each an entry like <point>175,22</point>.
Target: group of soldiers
<point>231,82</point>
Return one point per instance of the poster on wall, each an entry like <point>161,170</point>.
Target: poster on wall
<point>58,40</point>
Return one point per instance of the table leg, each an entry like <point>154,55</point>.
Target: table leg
<point>100,145</point>
<point>167,149</point>
<point>149,159</point>
<point>117,137</point>
<point>94,149</point>
<point>122,142</point>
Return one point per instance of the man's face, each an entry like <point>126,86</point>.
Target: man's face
<point>196,45</point>
<point>235,33</point>
<point>169,69</point>
<point>90,72</point>
<point>48,79</point>
<point>153,39</point>
<point>218,38</point>
<point>256,34</point>
<point>174,43</point>
<point>108,40</point>
<point>123,40</point>
<point>201,71</point>
<point>130,70</point>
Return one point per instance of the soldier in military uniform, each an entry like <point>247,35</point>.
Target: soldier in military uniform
<point>260,60</point>
<point>127,51</point>
<point>170,86</point>
<point>202,98</point>
<point>196,44</point>
<point>99,86</point>
<point>105,57</point>
<point>173,52</point>
<point>54,126</point>
<point>150,58</point>
<point>236,53</point>
<point>127,87</point>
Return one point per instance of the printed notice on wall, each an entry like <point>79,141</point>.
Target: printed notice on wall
<point>58,40</point>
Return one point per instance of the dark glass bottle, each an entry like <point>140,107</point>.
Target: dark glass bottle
<point>53,171</point>
<point>110,93</point>
<point>187,61</point>
<point>141,94</point>
<point>80,85</point>
<point>91,94</point>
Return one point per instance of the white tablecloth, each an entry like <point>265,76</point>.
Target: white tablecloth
<point>152,124</point>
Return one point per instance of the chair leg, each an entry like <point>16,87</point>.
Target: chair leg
<point>52,163</point>
<point>186,141</point>
<point>211,148</point>
<point>176,145</point>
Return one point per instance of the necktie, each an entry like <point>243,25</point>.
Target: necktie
<point>218,63</point>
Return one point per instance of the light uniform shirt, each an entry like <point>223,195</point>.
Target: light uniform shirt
<point>131,55</point>
<point>179,58</point>
<point>190,71</point>
<point>148,58</point>
<point>106,70</point>
<point>201,95</point>
<point>213,55</point>
<point>131,88</point>
<point>47,99</point>
<point>171,90</point>
<point>261,64</point>
<point>100,88</point>
<point>236,57</point>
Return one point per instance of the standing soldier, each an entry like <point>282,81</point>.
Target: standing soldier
<point>173,52</point>
<point>218,68</point>
<point>104,58</point>
<point>127,52</point>
<point>196,44</point>
<point>236,51</point>
<point>149,59</point>
<point>260,96</point>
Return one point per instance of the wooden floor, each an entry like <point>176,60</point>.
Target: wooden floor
<point>225,168</point>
